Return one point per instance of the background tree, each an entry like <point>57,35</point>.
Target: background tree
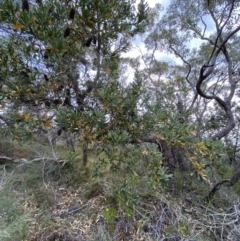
<point>210,68</point>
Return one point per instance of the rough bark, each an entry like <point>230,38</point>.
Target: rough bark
<point>173,156</point>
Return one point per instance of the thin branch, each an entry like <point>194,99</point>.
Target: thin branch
<point>216,188</point>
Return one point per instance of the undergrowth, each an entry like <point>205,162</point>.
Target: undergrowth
<point>115,197</point>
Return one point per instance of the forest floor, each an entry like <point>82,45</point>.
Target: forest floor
<point>44,197</point>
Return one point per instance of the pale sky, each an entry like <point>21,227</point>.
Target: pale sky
<point>152,3</point>
<point>138,48</point>
<point>138,45</point>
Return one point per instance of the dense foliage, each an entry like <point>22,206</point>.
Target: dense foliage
<point>62,69</point>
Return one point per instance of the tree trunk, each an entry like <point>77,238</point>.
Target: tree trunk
<point>173,156</point>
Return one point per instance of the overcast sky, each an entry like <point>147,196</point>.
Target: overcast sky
<point>152,3</point>
<point>138,45</point>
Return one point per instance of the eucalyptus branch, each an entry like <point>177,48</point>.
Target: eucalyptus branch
<point>187,63</point>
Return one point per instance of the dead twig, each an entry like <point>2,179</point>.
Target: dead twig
<point>45,159</point>
<point>5,160</point>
